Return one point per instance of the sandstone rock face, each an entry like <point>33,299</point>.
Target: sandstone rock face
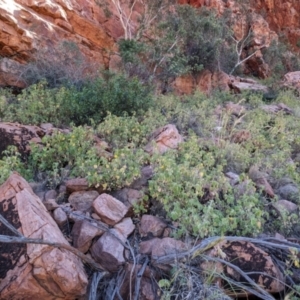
<point>282,16</point>
<point>28,25</point>
<point>206,81</point>
<point>35,271</point>
<point>262,33</point>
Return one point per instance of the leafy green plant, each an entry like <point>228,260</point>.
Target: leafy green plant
<point>185,40</point>
<point>113,93</point>
<point>194,192</point>
<point>37,104</point>
<point>74,151</point>
<point>11,161</point>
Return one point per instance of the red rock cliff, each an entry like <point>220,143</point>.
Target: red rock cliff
<point>27,25</point>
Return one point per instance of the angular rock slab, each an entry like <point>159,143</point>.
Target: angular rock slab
<point>83,233</point>
<point>109,209</point>
<point>248,258</point>
<point>109,250</point>
<point>30,271</point>
<point>83,200</point>
<point>160,247</point>
<point>152,225</point>
<point>163,139</point>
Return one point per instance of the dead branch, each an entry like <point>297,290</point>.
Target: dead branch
<point>138,279</point>
<point>97,276</point>
<point>256,290</point>
<point>283,249</point>
<point>9,226</point>
<point>124,18</point>
<point>24,240</point>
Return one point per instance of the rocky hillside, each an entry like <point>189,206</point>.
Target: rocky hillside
<point>190,196</point>
<point>149,150</point>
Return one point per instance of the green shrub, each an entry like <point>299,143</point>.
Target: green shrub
<point>113,93</point>
<point>194,191</point>
<point>11,161</point>
<point>37,104</point>
<point>75,152</point>
<point>185,40</point>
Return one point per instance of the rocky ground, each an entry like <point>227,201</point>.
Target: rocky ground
<point>79,240</point>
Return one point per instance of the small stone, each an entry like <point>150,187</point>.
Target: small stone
<point>261,181</point>
<point>60,217</point>
<point>147,173</point>
<point>235,109</point>
<point>152,225</point>
<point>83,200</point>
<point>279,236</point>
<point>109,209</point>
<point>62,189</point>
<point>50,204</point>
<point>77,185</point>
<point>289,192</point>
<point>129,197</point>
<point>163,139</point>
<point>125,227</point>
<point>109,251</point>
<point>160,247</point>
<point>285,205</point>
<point>47,126</point>
<point>233,178</point>
<point>167,232</point>
<point>83,233</point>
<point>52,194</point>
<point>244,188</point>
<point>95,216</point>
<point>76,215</point>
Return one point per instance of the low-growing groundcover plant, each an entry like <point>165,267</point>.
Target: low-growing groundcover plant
<point>190,183</point>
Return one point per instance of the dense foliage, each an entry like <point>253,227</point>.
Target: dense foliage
<point>115,93</point>
<point>190,182</point>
